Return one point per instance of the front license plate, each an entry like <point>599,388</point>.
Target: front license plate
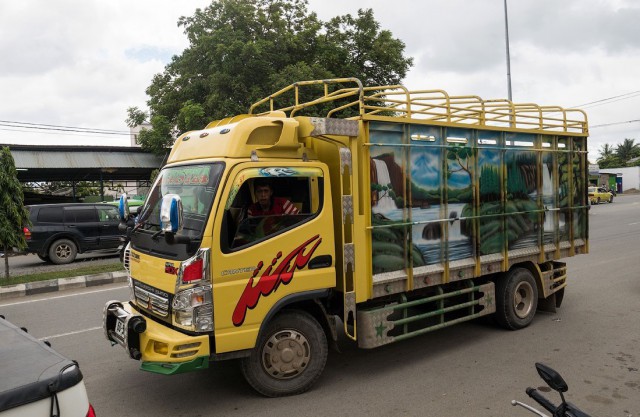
<point>120,329</point>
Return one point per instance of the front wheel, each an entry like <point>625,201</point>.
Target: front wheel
<point>611,199</point>
<point>516,299</point>
<point>289,357</point>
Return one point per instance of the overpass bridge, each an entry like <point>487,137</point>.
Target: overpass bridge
<point>101,164</point>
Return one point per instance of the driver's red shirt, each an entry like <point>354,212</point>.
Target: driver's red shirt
<point>279,206</point>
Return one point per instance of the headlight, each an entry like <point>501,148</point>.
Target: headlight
<point>193,305</point>
<point>193,309</point>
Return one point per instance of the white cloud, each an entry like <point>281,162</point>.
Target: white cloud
<point>83,63</point>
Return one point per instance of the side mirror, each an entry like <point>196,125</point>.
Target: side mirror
<point>171,213</point>
<point>551,377</point>
<point>123,208</point>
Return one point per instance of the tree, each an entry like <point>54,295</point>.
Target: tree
<point>610,162</point>
<point>240,51</point>
<point>606,151</point>
<point>627,150</point>
<point>13,215</point>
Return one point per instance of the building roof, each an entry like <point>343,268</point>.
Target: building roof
<point>82,163</point>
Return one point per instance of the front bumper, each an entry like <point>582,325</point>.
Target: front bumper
<point>161,349</point>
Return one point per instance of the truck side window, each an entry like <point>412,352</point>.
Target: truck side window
<point>264,207</point>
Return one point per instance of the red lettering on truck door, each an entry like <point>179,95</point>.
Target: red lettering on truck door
<point>271,279</point>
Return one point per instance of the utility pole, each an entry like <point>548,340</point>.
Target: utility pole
<point>506,36</point>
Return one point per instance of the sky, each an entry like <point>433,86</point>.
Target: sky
<point>81,64</point>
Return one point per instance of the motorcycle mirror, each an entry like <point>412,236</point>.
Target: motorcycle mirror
<point>551,377</point>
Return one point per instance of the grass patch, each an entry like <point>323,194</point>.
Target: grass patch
<point>43,276</point>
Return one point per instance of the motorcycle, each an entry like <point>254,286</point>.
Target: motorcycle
<point>555,382</point>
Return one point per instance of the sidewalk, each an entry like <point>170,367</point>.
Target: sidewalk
<point>82,281</point>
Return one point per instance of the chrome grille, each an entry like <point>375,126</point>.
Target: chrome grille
<point>155,303</point>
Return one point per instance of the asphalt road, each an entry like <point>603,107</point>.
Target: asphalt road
<point>473,369</point>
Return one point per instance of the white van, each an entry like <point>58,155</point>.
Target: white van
<point>36,380</point>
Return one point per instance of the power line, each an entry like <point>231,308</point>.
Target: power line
<point>43,126</point>
<point>79,134</point>
<point>615,123</point>
<point>632,94</point>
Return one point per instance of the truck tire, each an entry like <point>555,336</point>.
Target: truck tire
<point>559,297</point>
<point>62,251</point>
<point>516,299</point>
<point>289,357</point>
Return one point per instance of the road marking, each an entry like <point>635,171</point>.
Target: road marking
<point>63,296</point>
<point>633,224</point>
<point>71,333</point>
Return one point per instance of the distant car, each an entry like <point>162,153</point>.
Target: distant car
<point>134,205</point>
<point>60,231</point>
<point>599,195</point>
<point>37,380</point>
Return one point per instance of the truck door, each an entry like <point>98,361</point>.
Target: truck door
<point>276,246</point>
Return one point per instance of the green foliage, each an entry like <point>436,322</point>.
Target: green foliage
<point>627,150</point>
<point>159,138</point>
<point>241,51</point>
<point>13,215</point>
<point>83,188</point>
<point>606,151</point>
<point>610,162</point>
<point>618,157</point>
<point>489,183</point>
<point>135,117</point>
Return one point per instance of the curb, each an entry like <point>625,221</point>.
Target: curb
<point>60,284</point>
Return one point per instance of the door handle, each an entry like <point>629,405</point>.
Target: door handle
<point>322,261</point>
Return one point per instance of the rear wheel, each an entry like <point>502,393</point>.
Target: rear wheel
<point>44,258</point>
<point>62,251</point>
<point>289,357</point>
<point>611,199</point>
<point>598,201</point>
<point>516,299</point>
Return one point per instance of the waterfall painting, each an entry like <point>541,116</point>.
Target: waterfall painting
<point>426,210</point>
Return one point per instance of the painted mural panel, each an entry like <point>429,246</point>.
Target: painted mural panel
<point>564,189</point>
<point>391,246</point>
<point>521,205</point>
<point>460,200</point>
<point>491,236</point>
<point>549,195</point>
<point>426,194</point>
<point>579,167</point>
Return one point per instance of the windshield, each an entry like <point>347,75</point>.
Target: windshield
<point>195,184</point>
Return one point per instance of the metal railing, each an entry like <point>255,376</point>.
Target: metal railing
<point>431,105</point>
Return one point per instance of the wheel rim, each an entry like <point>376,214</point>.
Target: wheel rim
<point>523,299</point>
<point>63,251</point>
<point>286,354</point>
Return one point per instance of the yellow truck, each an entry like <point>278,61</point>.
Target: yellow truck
<point>396,213</point>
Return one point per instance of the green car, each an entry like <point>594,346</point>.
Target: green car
<point>134,205</point>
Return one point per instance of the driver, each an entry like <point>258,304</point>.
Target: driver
<point>267,204</point>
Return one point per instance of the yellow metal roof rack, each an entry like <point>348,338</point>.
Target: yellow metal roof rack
<point>435,106</point>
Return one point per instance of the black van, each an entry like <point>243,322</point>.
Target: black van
<point>60,231</point>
